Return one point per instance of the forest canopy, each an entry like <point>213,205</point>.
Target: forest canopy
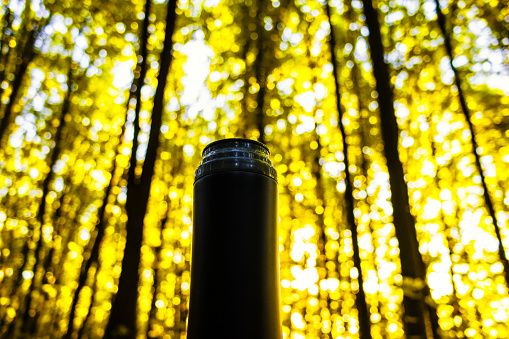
<point>387,121</point>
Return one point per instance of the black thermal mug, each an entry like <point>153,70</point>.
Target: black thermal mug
<point>235,264</point>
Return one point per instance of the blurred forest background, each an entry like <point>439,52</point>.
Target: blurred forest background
<point>388,123</point>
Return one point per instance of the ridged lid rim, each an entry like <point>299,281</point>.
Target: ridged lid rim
<point>228,140</point>
<point>236,154</point>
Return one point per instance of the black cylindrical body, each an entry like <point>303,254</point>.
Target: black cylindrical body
<point>235,265</point>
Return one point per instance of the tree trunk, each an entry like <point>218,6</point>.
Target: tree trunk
<point>83,328</point>
<point>26,58</point>
<point>463,103</point>
<point>94,253</point>
<point>244,123</point>
<point>142,69</point>
<point>28,319</point>
<point>175,169</point>
<point>360,299</point>
<point>320,196</point>
<point>416,318</point>
<point>123,317</point>
<point>260,71</point>
<point>4,42</point>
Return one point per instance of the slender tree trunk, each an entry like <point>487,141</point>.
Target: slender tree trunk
<point>180,313</point>
<point>156,265</point>
<point>245,20</point>
<point>64,117</point>
<point>320,196</point>
<point>450,245</point>
<point>142,69</point>
<point>94,253</point>
<point>122,322</point>
<point>260,71</point>
<point>157,251</point>
<point>23,34</point>
<point>4,42</point>
<point>257,69</point>
<point>48,278</point>
<point>364,137</point>
<point>83,328</point>
<point>475,146</point>
<point>57,150</point>
<point>27,316</point>
<point>417,319</point>
<point>25,51</point>
<point>93,259</point>
<point>6,24</point>
<point>26,58</point>
<point>360,300</point>
<point>153,307</point>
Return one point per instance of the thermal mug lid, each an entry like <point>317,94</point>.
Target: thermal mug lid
<point>236,154</point>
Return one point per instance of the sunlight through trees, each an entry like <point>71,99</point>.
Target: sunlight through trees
<point>387,121</point>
